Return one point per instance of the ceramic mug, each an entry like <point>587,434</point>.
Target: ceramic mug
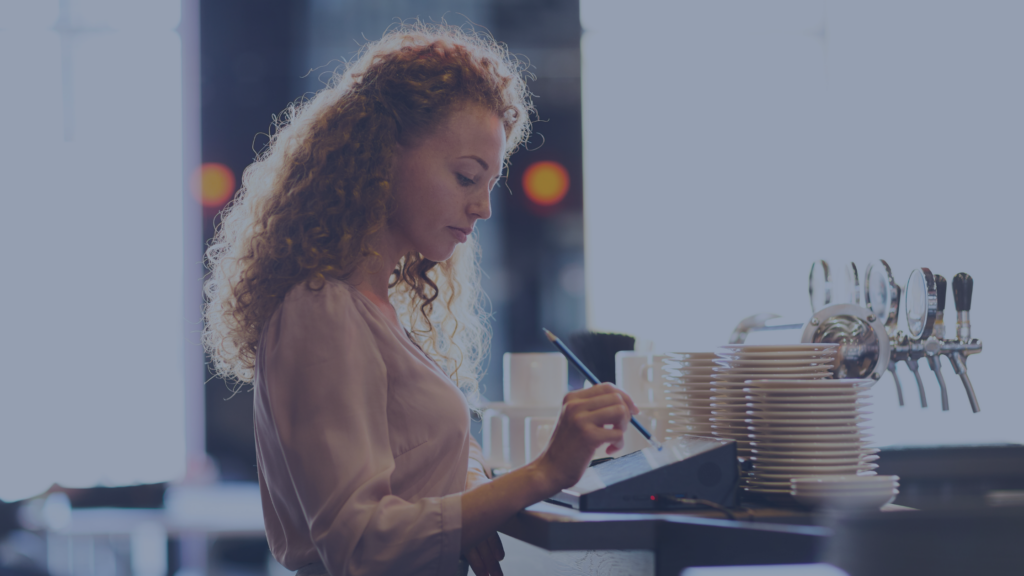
<point>538,379</point>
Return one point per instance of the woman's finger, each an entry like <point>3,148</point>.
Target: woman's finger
<point>595,390</point>
<point>607,392</point>
<point>490,558</point>
<point>617,415</point>
<point>629,402</point>
<point>496,545</point>
<point>595,403</point>
<point>476,563</point>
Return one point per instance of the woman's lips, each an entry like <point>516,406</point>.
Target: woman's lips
<point>460,234</point>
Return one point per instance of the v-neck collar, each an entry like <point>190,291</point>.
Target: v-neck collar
<point>405,337</point>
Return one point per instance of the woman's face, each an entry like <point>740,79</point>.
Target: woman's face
<point>443,183</point>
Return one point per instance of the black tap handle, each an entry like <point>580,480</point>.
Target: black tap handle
<point>899,297</point>
<point>940,292</point>
<point>963,289</point>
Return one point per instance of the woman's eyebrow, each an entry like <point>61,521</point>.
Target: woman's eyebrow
<point>478,159</point>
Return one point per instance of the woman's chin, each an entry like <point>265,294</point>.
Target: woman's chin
<point>439,253</point>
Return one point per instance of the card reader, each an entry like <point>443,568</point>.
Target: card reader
<point>690,467</point>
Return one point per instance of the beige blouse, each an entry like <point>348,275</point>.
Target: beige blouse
<point>362,441</point>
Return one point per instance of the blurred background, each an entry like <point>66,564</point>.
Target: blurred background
<point>720,148</point>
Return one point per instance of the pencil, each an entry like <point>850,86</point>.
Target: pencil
<point>594,380</point>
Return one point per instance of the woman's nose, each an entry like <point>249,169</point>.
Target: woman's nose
<point>481,206</point>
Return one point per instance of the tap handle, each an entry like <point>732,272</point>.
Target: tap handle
<point>963,289</point>
<point>940,292</point>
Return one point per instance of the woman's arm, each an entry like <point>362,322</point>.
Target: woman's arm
<point>325,445</point>
<point>580,431</point>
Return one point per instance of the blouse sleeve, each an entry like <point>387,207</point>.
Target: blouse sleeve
<point>327,395</point>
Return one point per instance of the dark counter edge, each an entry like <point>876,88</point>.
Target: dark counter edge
<point>605,531</point>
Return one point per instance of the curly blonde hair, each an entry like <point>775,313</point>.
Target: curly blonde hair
<point>322,187</point>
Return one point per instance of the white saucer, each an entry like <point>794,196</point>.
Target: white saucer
<point>781,348</point>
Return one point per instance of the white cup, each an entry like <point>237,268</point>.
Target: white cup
<point>538,433</point>
<point>641,376</point>
<point>496,448</point>
<point>535,379</point>
<point>506,430</point>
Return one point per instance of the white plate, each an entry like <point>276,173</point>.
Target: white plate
<point>784,446</point>
<point>832,438</point>
<point>691,410</point>
<point>691,402</point>
<point>815,363</point>
<point>692,392</point>
<point>804,469</point>
<point>788,474</point>
<point>691,355</point>
<point>821,378</point>
<point>689,405</point>
<point>761,419</point>
<point>798,392</point>
<point>804,410</point>
<point>835,416</point>
<point>775,407</point>
<point>731,433</point>
<point>780,348</point>
<point>691,371</point>
<point>680,378</point>
<point>797,372</point>
<point>854,460</point>
<point>841,481</point>
<point>822,491</point>
<point>755,396</point>
<point>795,470</point>
<point>776,484</point>
<point>798,355</point>
<point>769,452</point>
<point>844,429</point>
<point>872,501</point>
<point>731,419</point>
<point>755,490</point>
<point>778,383</point>
<point>809,404</point>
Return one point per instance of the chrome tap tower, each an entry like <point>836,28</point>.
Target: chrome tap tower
<point>869,342</point>
<point>924,299</point>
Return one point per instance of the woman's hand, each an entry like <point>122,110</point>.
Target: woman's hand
<point>581,430</point>
<point>483,558</point>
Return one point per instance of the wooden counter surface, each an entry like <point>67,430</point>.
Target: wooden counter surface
<point>548,538</point>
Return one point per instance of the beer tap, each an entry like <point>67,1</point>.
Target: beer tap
<point>866,352</point>
<point>922,307</point>
<point>963,346</point>
<point>910,356</point>
<point>933,345</point>
<point>882,298</point>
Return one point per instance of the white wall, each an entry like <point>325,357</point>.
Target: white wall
<point>91,378</point>
<point>727,145</point>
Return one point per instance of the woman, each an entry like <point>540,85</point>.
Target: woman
<point>345,287</point>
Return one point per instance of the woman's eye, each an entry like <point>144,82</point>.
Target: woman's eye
<point>463,180</point>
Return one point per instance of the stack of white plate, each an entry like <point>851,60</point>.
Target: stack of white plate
<point>804,428</point>
<point>687,392</point>
<point>845,491</point>
<point>740,363</point>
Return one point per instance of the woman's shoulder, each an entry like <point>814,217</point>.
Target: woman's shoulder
<point>329,300</point>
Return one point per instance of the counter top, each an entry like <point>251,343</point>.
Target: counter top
<point>672,540</point>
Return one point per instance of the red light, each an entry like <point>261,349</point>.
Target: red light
<point>546,182</point>
<point>213,184</point>
<point>653,498</point>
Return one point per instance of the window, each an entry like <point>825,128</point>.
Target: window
<point>729,145</point>
<point>91,377</point>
